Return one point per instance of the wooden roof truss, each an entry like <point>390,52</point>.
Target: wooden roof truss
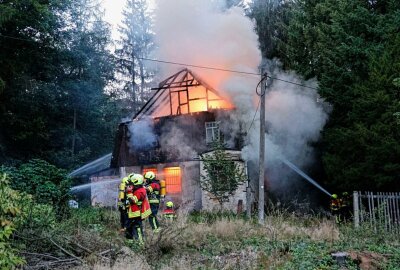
<point>174,93</point>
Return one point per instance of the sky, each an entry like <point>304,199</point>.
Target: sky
<point>113,13</point>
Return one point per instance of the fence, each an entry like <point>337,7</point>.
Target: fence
<point>380,210</point>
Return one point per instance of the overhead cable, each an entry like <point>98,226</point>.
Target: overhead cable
<point>222,69</point>
<point>190,65</point>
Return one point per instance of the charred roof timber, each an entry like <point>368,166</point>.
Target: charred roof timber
<point>182,93</point>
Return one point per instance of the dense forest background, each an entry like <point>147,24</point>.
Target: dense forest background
<point>64,88</point>
<point>353,49</point>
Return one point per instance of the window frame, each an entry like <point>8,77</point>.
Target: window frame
<point>213,131</point>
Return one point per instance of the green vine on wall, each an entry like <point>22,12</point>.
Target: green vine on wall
<point>222,175</point>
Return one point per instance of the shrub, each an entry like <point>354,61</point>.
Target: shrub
<point>222,174</point>
<point>39,217</point>
<point>48,184</point>
<point>10,210</point>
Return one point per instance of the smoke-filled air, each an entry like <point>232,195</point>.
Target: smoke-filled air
<point>133,143</point>
<point>144,136</point>
<point>206,33</point>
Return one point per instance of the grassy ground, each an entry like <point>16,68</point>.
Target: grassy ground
<point>224,241</point>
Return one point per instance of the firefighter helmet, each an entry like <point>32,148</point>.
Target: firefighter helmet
<point>130,178</point>
<point>169,204</point>
<point>334,196</point>
<point>149,175</point>
<point>137,179</point>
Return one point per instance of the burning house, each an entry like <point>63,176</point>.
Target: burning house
<point>180,121</point>
<point>188,112</point>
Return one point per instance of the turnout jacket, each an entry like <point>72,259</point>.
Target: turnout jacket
<point>138,203</point>
<point>336,204</point>
<point>169,213</point>
<point>153,191</point>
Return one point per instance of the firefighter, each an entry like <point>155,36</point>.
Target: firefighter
<point>122,202</point>
<point>169,212</point>
<point>139,208</point>
<point>336,208</point>
<point>153,189</point>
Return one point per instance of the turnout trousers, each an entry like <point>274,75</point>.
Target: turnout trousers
<point>135,229</point>
<point>153,217</point>
<point>123,217</point>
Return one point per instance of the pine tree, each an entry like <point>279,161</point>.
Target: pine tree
<point>88,69</point>
<point>348,46</point>
<point>54,67</point>
<point>30,53</point>
<point>271,18</point>
<point>136,43</point>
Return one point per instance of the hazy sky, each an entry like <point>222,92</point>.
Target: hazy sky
<point>113,9</point>
<point>113,15</point>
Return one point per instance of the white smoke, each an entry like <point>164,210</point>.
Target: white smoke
<point>173,140</point>
<point>205,33</point>
<point>295,116</point>
<point>142,134</point>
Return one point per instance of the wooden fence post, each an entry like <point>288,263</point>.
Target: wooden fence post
<point>356,209</point>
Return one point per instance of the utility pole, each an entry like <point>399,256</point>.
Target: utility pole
<point>261,190</point>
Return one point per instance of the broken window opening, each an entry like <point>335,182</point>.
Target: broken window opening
<point>212,132</point>
<point>173,180</point>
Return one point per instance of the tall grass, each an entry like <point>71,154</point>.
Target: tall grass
<point>226,241</point>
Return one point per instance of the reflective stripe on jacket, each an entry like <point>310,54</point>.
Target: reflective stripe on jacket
<point>139,204</point>
<point>153,191</point>
<point>169,213</point>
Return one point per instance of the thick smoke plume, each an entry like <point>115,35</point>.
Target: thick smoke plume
<point>205,33</point>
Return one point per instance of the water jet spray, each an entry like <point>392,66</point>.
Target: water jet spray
<point>80,187</point>
<point>305,176</point>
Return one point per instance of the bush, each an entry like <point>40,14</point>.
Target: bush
<point>10,211</point>
<point>40,217</point>
<point>48,184</point>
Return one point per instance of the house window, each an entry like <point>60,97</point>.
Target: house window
<point>173,179</point>
<point>212,132</point>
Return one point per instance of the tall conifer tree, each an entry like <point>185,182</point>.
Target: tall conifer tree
<point>136,43</point>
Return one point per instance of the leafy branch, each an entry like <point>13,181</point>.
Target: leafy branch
<point>222,175</point>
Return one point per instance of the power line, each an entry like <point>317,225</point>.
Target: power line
<point>23,39</point>
<point>299,84</point>
<point>189,65</point>
<point>221,69</point>
<point>265,76</point>
<point>203,67</point>
<point>254,117</point>
<point>259,101</point>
